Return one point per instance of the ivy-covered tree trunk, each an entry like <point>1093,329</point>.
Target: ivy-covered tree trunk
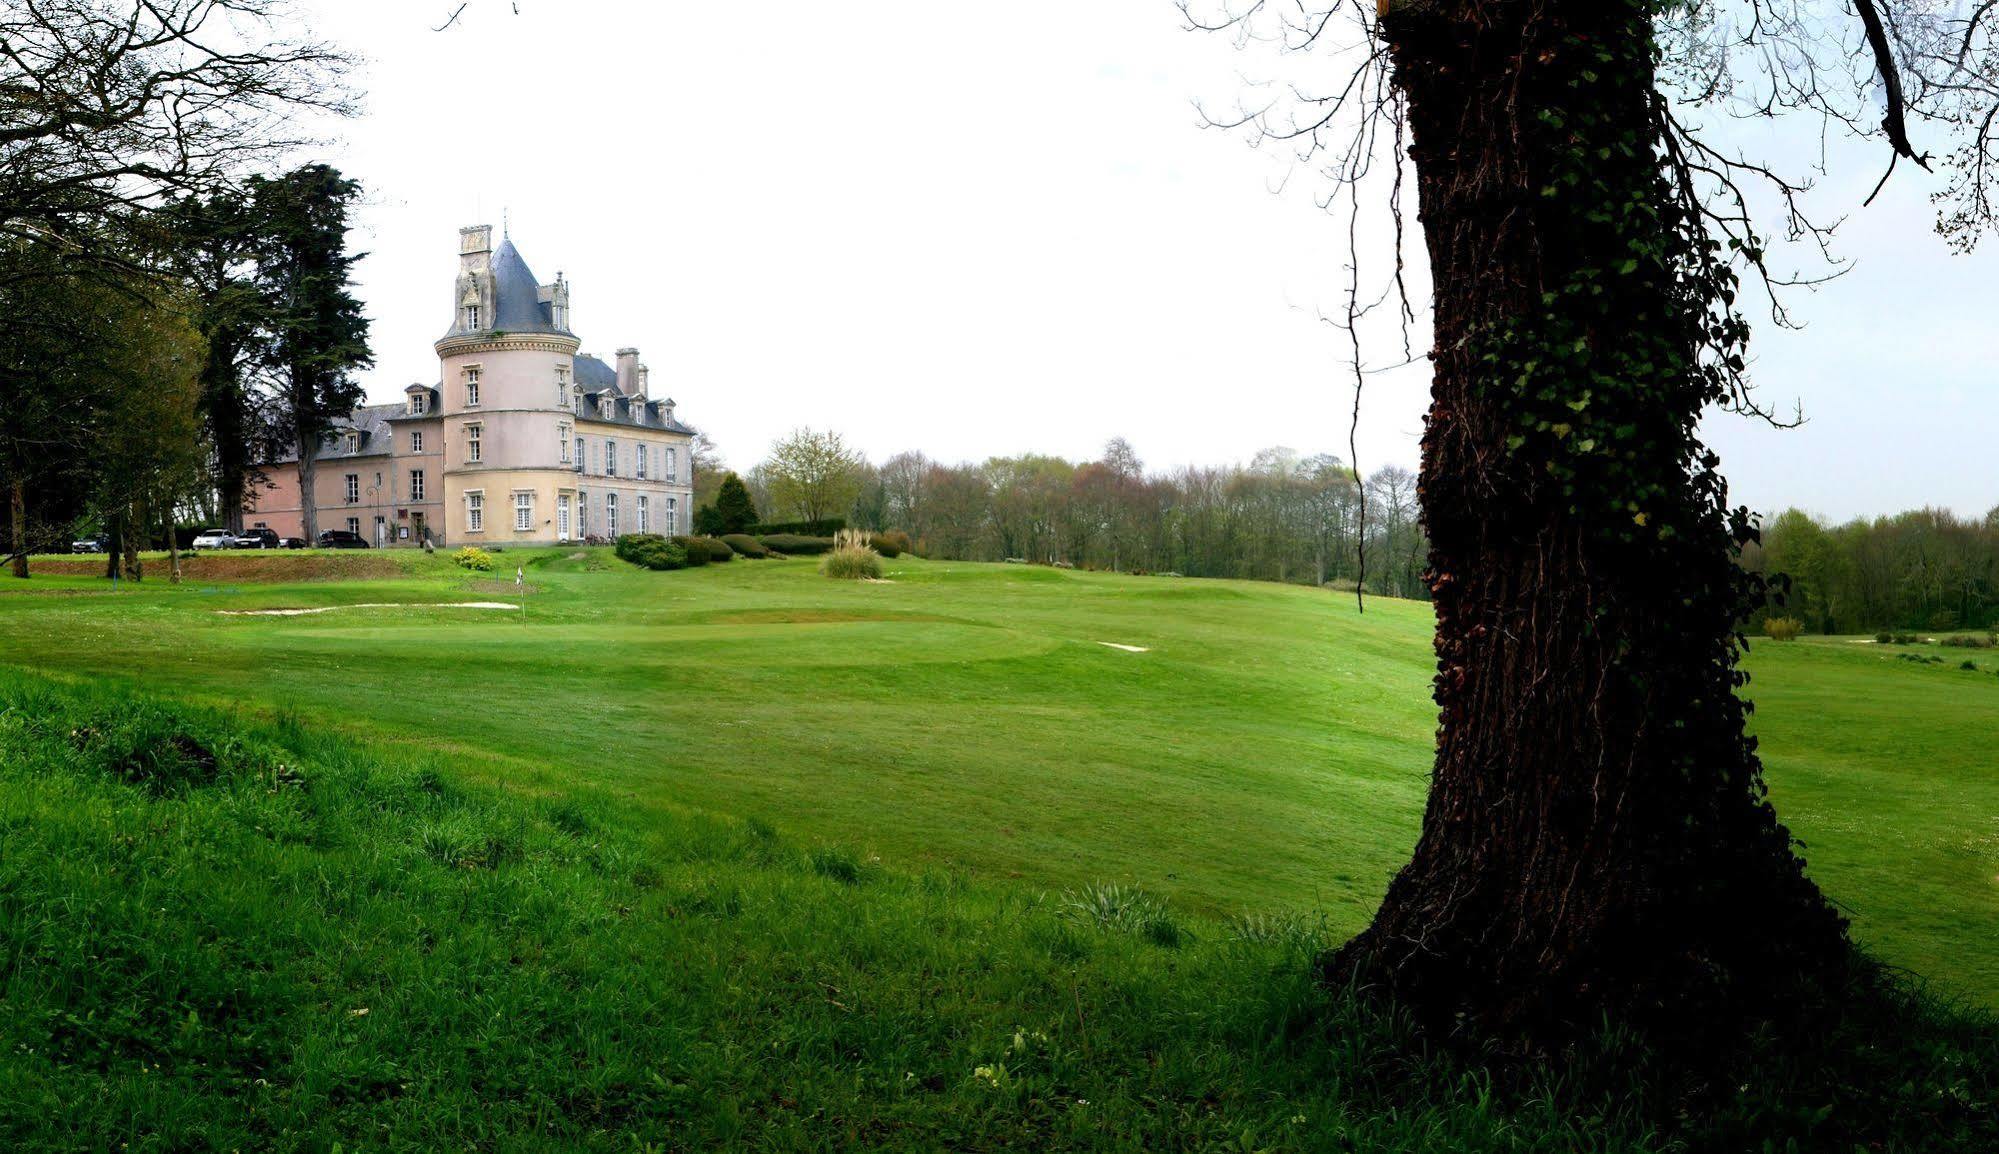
<point>1596,839</point>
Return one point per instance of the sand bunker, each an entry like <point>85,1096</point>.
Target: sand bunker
<point>1126,648</point>
<point>368,605</point>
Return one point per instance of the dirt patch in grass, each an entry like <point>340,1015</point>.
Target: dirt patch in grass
<point>808,617</point>
<point>249,565</point>
<point>501,587</point>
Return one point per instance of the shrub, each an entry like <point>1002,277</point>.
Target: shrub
<point>651,551</point>
<point>718,549</point>
<point>1782,628</point>
<point>734,511</point>
<point>1884,638</point>
<point>745,545</point>
<point>1971,665</point>
<point>696,554</point>
<point>890,543</point>
<point>851,563</point>
<point>473,557</point>
<point>1966,641</point>
<point>823,528</point>
<point>708,521</point>
<point>796,544</point>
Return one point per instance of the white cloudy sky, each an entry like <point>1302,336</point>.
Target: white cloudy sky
<point>982,229</point>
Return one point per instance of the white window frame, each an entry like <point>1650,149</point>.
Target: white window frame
<point>353,488</point>
<point>416,440</point>
<point>475,510</point>
<point>418,404</point>
<point>672,516</point>
<point>562,434</point>
<point>523,510</point>
<point>472,316</point>
<point>640,449</point>
<point>672,464</point>
<point>474,452</point>
<point>473,373</point>
<point>644,515</point>
<point>416,484</point>
<point>354,525</point>
<point>582,513</point>
<point>610,457</point>
<point>563,398</point>
<point>611,515</point>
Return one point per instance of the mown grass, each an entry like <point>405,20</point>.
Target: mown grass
<point>1267,755</point>
<point>219,934</point>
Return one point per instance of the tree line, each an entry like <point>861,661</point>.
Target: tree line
<point>170,312</point>
<point>1921,569</point>
<point>1283,516</point>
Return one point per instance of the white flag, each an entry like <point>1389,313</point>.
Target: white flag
<point>517,575</point>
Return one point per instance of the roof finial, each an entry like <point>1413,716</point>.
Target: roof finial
<point>503,222</point>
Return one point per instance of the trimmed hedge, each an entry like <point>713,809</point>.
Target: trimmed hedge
<point>890,543</point>
<point>651,551</point>
<point>795,544</point>
<point>745,545</point>
<point>825,528</point>
<point>705,550</point>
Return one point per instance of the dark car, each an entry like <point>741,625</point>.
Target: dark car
<point>255,539</point>
<point>341,539</point>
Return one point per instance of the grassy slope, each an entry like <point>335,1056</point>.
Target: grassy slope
<point>1267,754</point>
<point>219,936</point>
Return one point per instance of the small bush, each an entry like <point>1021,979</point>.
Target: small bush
<point>792,544</point>
<point>651,551</point>
<point>745,545</point>
<point>1971,665</point>
<point>473,557</point>
<point>1966,641</point>
<point>891,543</point>
<point>1782,628</point>
<point>717,549</point>
<point>1884,638</point>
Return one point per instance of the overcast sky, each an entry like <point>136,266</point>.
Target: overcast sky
<point>989,229</point>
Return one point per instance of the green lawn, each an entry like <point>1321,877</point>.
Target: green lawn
<point>1267,753</point>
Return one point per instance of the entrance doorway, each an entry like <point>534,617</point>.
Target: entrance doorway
<point>562,517</point>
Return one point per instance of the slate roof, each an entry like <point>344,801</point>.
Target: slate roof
<point>517,307</point>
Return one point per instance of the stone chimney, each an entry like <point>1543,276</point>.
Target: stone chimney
<point>628,371</point>
<point>645,374</point>
<point>473,297</point>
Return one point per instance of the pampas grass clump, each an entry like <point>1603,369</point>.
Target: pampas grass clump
<point>850,558</point>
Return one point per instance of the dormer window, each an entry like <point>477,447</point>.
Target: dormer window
<point>471,316</point>
<point>471,388</point>
<point>352,441</point>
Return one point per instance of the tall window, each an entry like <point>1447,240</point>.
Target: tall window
<point>472,433</point>
<point>419,402</point>
<point>354,525</point>
<point>672,463</point>
<point>523,512</point>
<point>582,513</point>
<point>611,514</point>
<point>562,396</point>
<point>579,454</point>
<point>353,442</point>
<point>610,458</point>
<point>475,512</point>
<point>672,516</point>
<point>562,441</point>
<point>416,441</point>
<point>640,449</point>
<point>645,515</point>
<point>416,484</point>
<point>471,388</point>
<point>471,316</point>
<point>353,488</point>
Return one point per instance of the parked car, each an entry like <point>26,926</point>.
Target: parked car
<point>214,539</point>
<point>97,544</point>
<point>255,539</point>
<point>291,542</point>
<point>341,539</point>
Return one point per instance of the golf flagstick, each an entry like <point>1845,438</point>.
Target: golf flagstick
<point>521,589</point>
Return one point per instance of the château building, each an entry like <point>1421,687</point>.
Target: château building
<point>524,439</point>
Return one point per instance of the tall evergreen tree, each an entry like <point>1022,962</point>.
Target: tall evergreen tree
<point>733,505</point>
<point>319,334</point>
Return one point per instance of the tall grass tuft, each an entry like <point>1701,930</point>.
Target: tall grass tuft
<point>850,558</point>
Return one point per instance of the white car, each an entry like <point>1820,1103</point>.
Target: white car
<point>214,539</point>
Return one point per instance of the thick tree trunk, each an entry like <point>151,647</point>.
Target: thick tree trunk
<point>1596,841</point>
<point>308,507</point>
<point>17,508</point>
<point>135,523</point>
